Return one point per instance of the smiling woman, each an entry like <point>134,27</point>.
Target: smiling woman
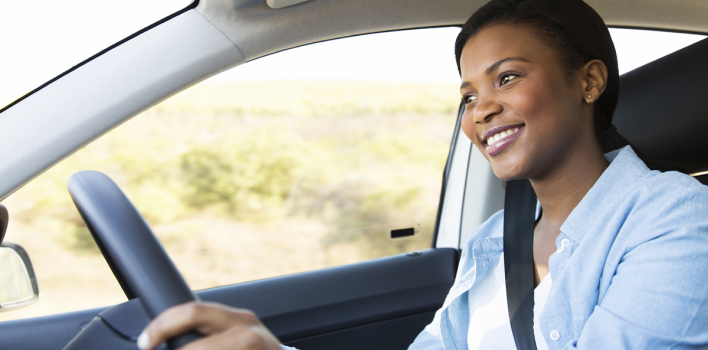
<point>540,84</point>
<point>509,84</point>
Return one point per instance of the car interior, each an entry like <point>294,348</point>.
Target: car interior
<point>376,304</point>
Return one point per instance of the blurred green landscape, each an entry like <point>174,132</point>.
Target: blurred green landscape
<point>242,181</point>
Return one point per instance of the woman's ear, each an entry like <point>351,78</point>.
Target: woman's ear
<point>594,79</point>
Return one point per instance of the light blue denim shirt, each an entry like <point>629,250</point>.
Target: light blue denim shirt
<point>630,272</point>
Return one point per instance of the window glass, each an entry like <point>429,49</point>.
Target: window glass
<point>636,48</point>
<point>41,39</point>
<point>298,161</point>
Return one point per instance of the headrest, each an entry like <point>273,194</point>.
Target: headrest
<point>663,108</point>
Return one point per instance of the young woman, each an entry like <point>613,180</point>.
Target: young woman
<point>620,251</point>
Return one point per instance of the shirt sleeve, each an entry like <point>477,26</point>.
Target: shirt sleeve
<point>658,297</point>
<point>286,347</point>
<point>430,338</point>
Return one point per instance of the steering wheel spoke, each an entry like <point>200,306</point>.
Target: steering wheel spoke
<point>136,257</point>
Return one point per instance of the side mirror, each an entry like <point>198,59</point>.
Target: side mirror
<point>18,285</point>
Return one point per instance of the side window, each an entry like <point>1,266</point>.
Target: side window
<point>301,160</point>
<point>636,47</point>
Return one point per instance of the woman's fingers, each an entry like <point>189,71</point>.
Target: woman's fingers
<point>239,337</point>
<point>205,318</point>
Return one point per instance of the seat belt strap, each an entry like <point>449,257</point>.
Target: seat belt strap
<point>519,219</point>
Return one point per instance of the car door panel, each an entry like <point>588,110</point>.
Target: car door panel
<point>376,304</point>
<point>396,333</point>
<point>307,304</point>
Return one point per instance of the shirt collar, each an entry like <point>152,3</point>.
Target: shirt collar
<point>625,168</point>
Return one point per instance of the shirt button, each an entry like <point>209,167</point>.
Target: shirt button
<point>555,335</point>
<point>564,243</point>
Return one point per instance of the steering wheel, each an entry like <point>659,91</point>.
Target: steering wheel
<point>132,251</point>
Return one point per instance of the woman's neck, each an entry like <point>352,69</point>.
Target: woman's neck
<point>561,189</point>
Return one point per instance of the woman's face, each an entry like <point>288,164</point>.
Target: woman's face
<point>522,110</point>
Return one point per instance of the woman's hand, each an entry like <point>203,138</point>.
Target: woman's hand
<point>223,328</point>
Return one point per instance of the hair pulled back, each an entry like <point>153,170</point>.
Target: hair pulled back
<point>571,27</point>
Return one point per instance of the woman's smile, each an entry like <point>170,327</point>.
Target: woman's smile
<point>523,111</point>
<point>499,138</point>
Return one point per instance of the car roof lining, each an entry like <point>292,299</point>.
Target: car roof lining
<point>258,30</point>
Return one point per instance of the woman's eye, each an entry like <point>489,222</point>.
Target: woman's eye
<point>506,78</point>
<point>469,99</point>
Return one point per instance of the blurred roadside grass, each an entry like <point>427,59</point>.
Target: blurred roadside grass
<point>315,99</point>
<point>330,166</point>
<point>263,151</point>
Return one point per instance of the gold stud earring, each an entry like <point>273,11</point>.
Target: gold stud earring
<point>589,99</point>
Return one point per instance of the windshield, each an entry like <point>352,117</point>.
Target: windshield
<point>41,39</point>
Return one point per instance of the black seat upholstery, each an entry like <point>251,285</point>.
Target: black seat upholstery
<point>663,108</point>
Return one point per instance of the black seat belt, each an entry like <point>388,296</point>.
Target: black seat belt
<point>519,219</point>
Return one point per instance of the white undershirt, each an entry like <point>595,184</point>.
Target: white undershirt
<point>489,315</point>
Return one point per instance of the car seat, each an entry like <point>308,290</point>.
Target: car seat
<point>662,109</point>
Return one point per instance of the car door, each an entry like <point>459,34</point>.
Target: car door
<point>380,302</point>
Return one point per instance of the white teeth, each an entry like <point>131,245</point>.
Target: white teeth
<point>494,138</point>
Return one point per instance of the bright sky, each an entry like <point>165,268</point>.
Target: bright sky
<point>42,38</point>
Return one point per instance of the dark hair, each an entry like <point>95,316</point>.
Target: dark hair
<point>571,27</point>
<point>579,35</point>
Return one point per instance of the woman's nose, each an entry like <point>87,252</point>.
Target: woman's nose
<point>487,107</point>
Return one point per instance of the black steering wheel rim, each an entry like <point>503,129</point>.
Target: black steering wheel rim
<point>136,257</point>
